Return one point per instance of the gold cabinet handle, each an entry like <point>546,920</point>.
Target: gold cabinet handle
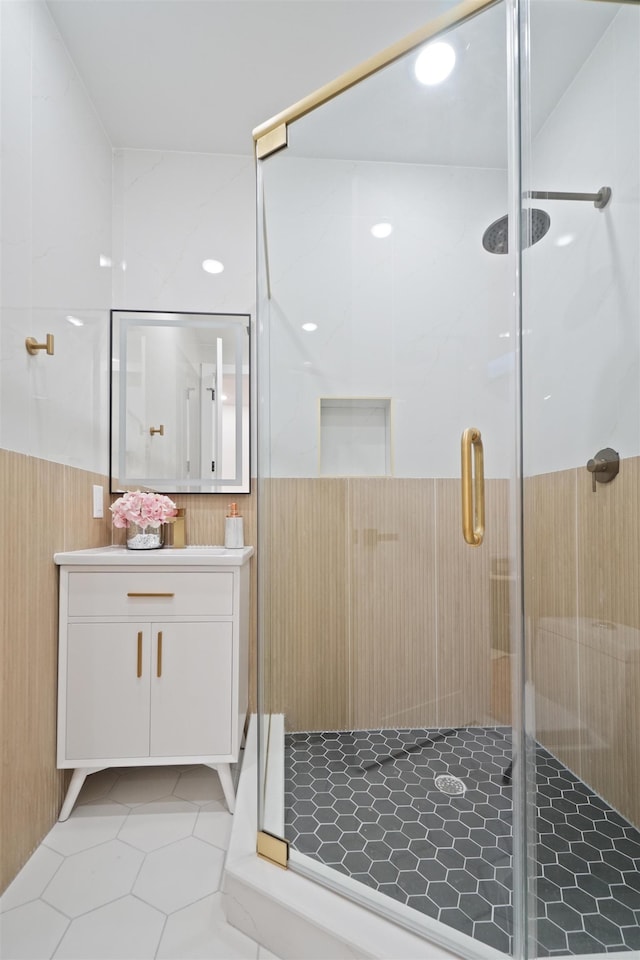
<point>139,653</point>
<point>159,670</point>
<point>154,430</point>
<point>151,594</point>
<point>472,487</point>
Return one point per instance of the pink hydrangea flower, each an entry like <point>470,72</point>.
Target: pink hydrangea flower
<point>144,509</point>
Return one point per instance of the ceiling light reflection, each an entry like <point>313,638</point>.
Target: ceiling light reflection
<point>434,63</point>
<point>381,230</point>
<point>212,266</point>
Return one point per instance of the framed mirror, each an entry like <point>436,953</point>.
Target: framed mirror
<point>180,403</point>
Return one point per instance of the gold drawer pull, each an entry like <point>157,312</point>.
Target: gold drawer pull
<point>151,594</point>
<point>159,671</point>
<point>139,653</point>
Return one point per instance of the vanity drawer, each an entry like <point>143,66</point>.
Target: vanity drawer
<point>139,594</point>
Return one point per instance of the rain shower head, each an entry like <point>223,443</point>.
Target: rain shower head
<point>535,222</point>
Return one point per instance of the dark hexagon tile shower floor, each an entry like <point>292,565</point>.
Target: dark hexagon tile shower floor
<point>366,804</point>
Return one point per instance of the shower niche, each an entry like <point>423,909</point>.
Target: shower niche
<point>355,437</point>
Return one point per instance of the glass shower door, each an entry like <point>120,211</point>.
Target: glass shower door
<point>581,385</point>
<point>387,335</point>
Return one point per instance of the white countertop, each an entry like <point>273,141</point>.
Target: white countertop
<point>212,556</point>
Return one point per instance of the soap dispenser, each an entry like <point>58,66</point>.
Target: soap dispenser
<point>233,528</point>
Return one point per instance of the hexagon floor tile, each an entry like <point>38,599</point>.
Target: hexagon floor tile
<point>179,874</point>
<point>153,825</point>
<point>93,878</point>
<point>119,930</point>
<point>129,877</point>
<point>371,804</point>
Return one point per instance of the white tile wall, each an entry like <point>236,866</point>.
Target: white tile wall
<point>56,225</point>
<point>416,317</point>
<point>171,212</point>
<point>582,300</point>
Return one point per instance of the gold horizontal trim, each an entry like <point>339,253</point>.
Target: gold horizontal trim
<point>463,11</point>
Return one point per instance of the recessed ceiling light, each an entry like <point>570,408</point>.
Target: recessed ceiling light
<point>212,266</point>
<point>104,260</point>
<point>381,230</point>
<point>75,321</point>
<point>565,239</point>
<point>434,63</point>
<point>309,327</point>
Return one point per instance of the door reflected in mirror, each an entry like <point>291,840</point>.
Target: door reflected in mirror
<point>180,402</point>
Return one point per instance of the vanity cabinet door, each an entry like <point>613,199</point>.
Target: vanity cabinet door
<point>107,690</point>
<point>191,689</point>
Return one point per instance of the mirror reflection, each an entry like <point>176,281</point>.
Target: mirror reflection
<point>180,402</point>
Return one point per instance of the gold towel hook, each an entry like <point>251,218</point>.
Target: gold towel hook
<point>33,346</point>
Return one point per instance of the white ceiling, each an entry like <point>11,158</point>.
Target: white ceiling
<point>199,75</point>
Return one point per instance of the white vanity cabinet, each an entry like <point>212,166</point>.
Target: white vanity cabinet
<point>153,660</point>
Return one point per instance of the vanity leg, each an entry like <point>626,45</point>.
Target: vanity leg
<point>78,777</point>
<point>226,780</point>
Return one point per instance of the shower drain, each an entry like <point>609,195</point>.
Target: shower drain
<point>450,785</point>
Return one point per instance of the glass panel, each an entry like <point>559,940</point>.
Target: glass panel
<point>386,330</point>
<point>581,358</point>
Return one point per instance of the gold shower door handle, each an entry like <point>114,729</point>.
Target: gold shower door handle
<point>472,487</point>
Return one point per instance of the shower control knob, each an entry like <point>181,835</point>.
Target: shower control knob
<point>604,466</point>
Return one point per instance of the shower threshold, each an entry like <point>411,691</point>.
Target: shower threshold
<point>424,817</point>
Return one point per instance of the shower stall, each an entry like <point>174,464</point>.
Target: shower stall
<point>449,481</point>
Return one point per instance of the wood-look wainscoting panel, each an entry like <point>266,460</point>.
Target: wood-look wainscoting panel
<point>81,529</point>
<point>609,691</point>
<point>392,579</point>
<point>472,608</point>
<point>609,546</point>
<point>550,563</point>
<point>33,508</point>
<point>609,635</point>
<point>556,668</point>
<point>550,589</point>
<point>305,654</point>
